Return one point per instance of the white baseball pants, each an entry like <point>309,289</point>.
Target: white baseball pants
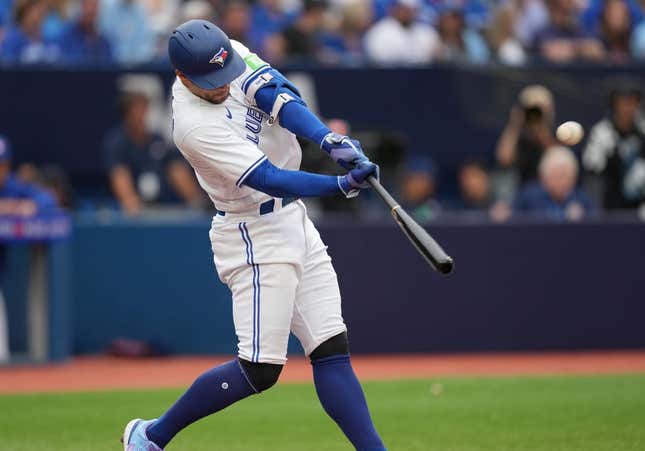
<point>281,279</point>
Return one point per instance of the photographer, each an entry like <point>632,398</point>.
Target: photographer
<point>528,134</point>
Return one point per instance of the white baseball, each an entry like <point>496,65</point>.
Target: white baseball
<point>570,133</point>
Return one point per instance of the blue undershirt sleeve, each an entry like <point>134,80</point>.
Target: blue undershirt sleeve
<point>294,116</point>
<point>278,182</point>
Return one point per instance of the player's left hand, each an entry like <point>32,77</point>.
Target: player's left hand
<point>356,179</point>
<point>343,150</point>
<point>358,176</point>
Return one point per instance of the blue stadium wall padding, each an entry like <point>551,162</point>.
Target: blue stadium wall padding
<point>515,287</point>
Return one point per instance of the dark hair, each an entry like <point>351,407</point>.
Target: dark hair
<point>625,87</point>
<point>22,7</point>
<point>623,40</point>
<point>310,5</point>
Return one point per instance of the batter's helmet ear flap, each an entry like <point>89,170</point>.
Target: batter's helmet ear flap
<point>336,345</point>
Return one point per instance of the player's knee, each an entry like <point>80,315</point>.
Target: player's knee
<point>336,345</point>
<point>261,375</point>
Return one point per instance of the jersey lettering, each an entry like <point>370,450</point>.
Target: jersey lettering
<point>253,124</point>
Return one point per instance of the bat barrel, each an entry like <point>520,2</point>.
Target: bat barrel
<point>424,243</point>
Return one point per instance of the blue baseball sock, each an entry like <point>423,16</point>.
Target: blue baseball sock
<point>341,396</point>
<point>211,392</point>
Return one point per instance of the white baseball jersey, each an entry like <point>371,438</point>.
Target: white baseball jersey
<point>225,142</point>
<point>277,267</point>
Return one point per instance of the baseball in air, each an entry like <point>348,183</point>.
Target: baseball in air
<point>570,133</point>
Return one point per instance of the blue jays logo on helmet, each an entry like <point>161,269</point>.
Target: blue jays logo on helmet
<point>219,57</point>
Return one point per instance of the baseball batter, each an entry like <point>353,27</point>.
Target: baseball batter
<point>235,119</point>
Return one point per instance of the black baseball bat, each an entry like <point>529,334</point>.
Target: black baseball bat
<point>425,244</point>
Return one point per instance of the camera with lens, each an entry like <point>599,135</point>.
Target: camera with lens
<point>533,114</point>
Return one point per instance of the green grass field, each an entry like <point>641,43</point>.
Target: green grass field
<point>604,413</point>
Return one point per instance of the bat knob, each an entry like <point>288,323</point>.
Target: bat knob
<point>446,266</point>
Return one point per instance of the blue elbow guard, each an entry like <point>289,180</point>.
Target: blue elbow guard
<point>284,91</point>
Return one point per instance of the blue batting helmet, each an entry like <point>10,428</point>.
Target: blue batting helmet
<point>203,53</point>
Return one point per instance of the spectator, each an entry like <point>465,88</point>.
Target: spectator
<point>50,178</point>
<point>531,16</point>
<point>528,134</point>
<point>347,45</point>
<point>301,39</point>
<point>615,31</point>
<point>418,189</point>
<point>235,21</point>
<point>555,196</point>
<point>23,42</point>
<point>162,16</point>
<point>564,40</point>
<point>474,186</point>
<point>476,13</point>
<point>18,198</point>
<point>141,167</point>
<point>591,16</point>
<point>615,151</point>
<point>458,42</point>
<point>267,19</point>
<point>126,26</point>
<point>82,43</point>
<point>400,38</point>
<point>508,48</point>
<point>481,192</point>
<point>196,9</point>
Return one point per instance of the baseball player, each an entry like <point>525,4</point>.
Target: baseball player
<point>235,119</point>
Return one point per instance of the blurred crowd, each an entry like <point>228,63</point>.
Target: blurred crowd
<point>348,32</point>
<point>536,176</point>
<point>532,174</point>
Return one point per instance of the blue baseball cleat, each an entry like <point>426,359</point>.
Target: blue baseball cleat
<point>134,436</point>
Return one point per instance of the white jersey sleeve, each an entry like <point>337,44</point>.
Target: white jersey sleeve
<point>254,66</point>
<point>217,153</point>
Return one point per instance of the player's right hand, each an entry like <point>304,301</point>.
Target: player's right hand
<point>343,150</point>
<point>356,179</point>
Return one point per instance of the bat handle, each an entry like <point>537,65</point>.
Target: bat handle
<point>382,192</point>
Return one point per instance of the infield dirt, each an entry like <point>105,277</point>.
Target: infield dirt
<point>105,373</point>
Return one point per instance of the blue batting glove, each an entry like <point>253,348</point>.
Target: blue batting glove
<point>356,179</point>
<point>343,150</point>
